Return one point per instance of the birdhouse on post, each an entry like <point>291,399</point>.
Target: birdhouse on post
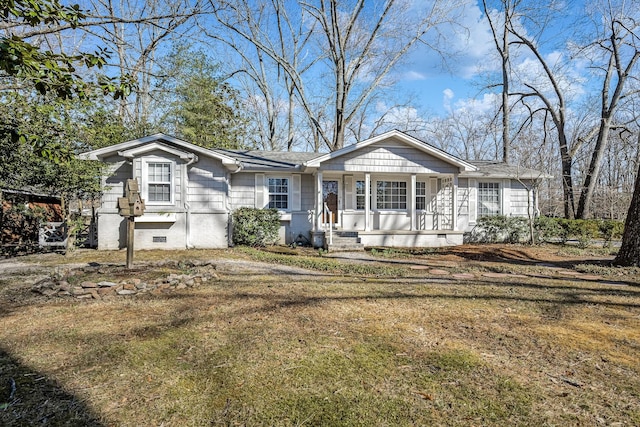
<point>131,206</point>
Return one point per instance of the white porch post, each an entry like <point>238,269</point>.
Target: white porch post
<point>367,202</point>
<point>412,199</point>
<point>454,199</point>
<point>319,201</point>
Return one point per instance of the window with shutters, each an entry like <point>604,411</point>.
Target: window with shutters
<point>278,189</point>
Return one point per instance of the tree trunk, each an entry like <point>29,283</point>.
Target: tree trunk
<point>629,254</point>
<point>593,172</point>
<point>567,187</point>
<point>506,143</point>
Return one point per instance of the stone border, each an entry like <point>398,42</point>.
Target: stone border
<point>58,285</point>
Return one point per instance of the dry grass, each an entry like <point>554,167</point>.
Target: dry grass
<point>271,344</point>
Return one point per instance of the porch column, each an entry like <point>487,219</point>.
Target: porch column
<point>367,202</point>
<point>319,201</point>
<point>412,200</point>
<point>454,200</point>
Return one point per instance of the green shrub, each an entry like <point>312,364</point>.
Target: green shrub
<point>493,229</point>
<point>255,227</point>
<point>490,229</point>
<point>500,228</point>
<point>547,229</point>
<point>517,229</point>
<point>609,230</point>
<point>583,230</point>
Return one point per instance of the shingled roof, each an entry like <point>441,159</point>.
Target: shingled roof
<point>269,160</point>
<point>492,169</point>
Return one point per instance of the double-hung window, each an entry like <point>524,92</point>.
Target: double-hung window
<point>360,195</point>
<point>391,195</point>
<point>278,193</point>
<point>159,175</point>
<point>488,199</point>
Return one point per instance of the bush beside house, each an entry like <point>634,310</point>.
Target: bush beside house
<point>255,227</point>
<point>503,229</point>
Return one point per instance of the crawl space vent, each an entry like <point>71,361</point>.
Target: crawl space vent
<point>159,239</point>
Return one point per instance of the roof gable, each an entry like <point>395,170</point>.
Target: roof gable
<point>398,136</point>
<point>158,141</point>
<point>146,148</point>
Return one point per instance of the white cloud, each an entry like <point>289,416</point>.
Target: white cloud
<point>467,43</point>
<point>447,97</point>
<point>477,106</point>
<point>413,75</point>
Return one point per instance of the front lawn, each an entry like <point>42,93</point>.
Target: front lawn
<point>477,335</point>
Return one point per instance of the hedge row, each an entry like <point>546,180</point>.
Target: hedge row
<point>495,229</point>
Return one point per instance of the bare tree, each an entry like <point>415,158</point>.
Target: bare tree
<point>256,31</point>
<point>500,32</point>
<point>620,44</point>
<point>355,45</point>
<point>135,32</point>
<point>550,91</point>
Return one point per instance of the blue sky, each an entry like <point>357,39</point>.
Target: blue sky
<point>439,87</point>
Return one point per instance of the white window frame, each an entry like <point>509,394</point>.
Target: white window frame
<point>361,195</point>
<point>391,202</point>
<point>269,193</point>
<point>482,192</point>
<point>146,181</point>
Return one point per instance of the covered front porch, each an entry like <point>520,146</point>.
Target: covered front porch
<point>382,209</point>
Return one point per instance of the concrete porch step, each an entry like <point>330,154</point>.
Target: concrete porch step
<point>349,242</point>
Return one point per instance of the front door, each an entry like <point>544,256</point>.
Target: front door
<point>330,198</point>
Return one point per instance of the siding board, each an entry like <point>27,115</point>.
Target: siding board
<point>389,157</point>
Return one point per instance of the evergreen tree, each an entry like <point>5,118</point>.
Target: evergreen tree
<point>205,110</point>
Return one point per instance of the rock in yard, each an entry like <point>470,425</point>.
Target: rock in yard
<point>79,291</point>
<point>88,284</point>
<point>105,284</point>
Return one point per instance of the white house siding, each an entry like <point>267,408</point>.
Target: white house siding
<point>294,221</point>
<point>352,220</point>
<point>207,187</point>
<point>391,220</point>
<point>208,230</point>
<point>463,203</point>
<point>118,171</point>
<point>202,225</point>
<point>243,190</point>
<point>518,199</point>
<point>389,157</point>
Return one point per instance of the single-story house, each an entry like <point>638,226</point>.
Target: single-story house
<point>390,190</point>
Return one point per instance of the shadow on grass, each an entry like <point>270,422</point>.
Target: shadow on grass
<point>562,294</point>
<point>28,398</point>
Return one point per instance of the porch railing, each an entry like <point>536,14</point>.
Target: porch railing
<point>328,224</point>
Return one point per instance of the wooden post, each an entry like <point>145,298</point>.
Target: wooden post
<point>131,226</point>
<point>130,207</point>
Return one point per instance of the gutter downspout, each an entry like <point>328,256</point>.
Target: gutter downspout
<point>227,202</point>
